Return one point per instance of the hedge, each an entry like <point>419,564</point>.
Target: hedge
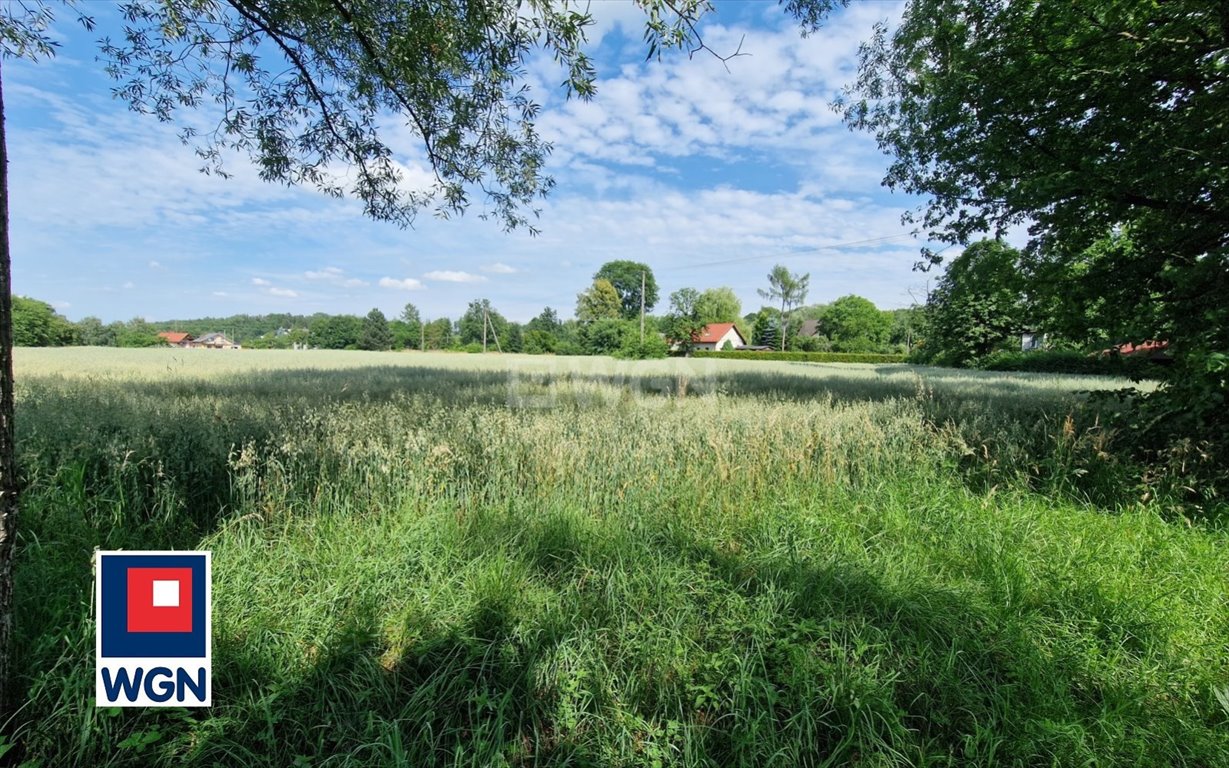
<point>804,357</point>
<point>1072,362</point>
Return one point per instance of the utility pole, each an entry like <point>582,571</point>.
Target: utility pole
<point>485,320</point>
<point>422,336</point>
<point>498,348</point>
<point>642,307</point>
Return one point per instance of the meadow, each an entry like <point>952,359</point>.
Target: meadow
<point>484,560</point>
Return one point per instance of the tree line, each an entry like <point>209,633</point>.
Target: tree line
<point>606,322</point>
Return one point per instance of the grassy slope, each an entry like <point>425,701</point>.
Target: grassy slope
<point>439,561</point>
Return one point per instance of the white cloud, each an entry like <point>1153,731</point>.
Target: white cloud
<point>454,276</point>
<point>771,103</point>
<point>286,292</point>
<point>129,284</point>
<point>155,265</point>
<point>336,276</point>
<point>221,294</point>
<point>499,268</point>
<point>260,281</point>
<point>328,273</point>
<point>407,284</point>
<point>84,130</point>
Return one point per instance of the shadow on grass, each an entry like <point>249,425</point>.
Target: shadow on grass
<point>782,661</point>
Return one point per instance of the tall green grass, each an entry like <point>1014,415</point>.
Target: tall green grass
<point>443,560</point>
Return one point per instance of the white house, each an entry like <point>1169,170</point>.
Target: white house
<point>716,335</point>
<point>214,341</point>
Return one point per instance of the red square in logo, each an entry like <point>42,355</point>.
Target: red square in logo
<point>159,599</point>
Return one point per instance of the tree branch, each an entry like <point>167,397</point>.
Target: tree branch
<point>390,82</point>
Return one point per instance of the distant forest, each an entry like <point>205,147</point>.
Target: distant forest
<point>37,324</point>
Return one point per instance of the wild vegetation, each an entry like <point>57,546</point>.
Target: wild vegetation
<point>470,560</point>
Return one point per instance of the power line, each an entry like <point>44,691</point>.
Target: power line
<point>797,252</point>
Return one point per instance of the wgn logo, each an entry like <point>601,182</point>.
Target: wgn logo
<point>153,641</point>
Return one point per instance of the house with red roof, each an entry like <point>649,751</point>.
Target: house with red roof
<point>176,339</point>
<point>717,335</point>
<point>1153,349</point>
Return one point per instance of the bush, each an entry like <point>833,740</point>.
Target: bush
<point>653,346</point>
<point>137,339</point>
<point>539,343</point>
<point>604,337</point>
<point>1072,362</point>
<point>805,357</point>
<point>819,343</point>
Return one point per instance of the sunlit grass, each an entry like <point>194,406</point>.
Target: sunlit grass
<point>468,560</point>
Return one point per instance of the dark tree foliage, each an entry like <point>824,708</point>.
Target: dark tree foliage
<point>335,332</point>
<point>766,328</point>
<point>376,335</point>
<point>604,337</point>
<point>978,306</point>
<point>539,343</point>
<point>855,324</point>
<point>1068,300</point>
<point>438,333</point>
<point>542,333</point>
<point>407,328</point>
<point>908,326</point>
<point>1077,119</point>
<point>547,321</point>
<point>90,332</point>
<point>37,324</point>
<point>626,277</point>
<point>683,324</point>
<point>470,330</point>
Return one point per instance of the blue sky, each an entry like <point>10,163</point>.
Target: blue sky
<point>709,175</point>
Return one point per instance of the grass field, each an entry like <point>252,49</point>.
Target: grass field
<point>483,560</point>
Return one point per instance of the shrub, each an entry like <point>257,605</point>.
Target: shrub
<point>819,343</point>
<point>653,346</point>
<point>1071,362</point>
<point>539,343</point>
<point>604,337</point>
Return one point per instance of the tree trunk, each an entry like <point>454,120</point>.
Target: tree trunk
<point>8,462</point>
